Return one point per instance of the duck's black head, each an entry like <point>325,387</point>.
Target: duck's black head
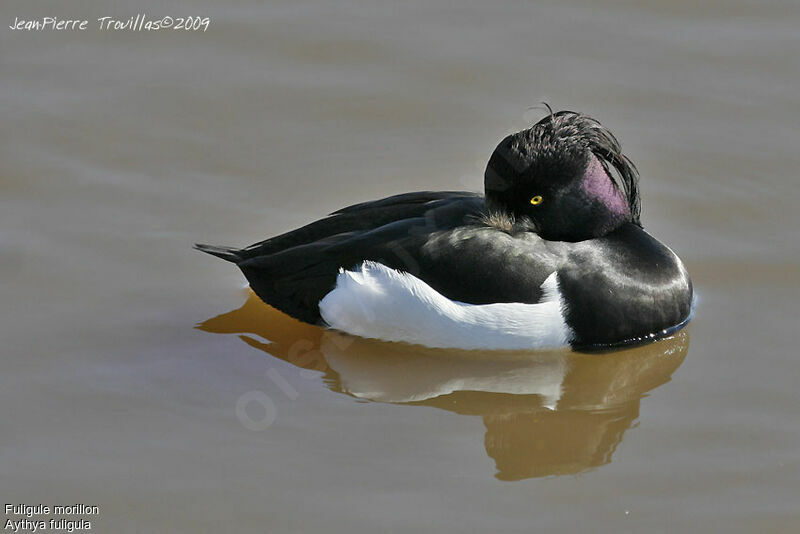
<point>567,175</point>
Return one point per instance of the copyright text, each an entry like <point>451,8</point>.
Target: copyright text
<point>137,23</point>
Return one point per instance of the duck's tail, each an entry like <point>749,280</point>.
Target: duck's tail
<point>226,253</point>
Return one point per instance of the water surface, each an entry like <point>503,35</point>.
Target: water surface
<point>126,355</point>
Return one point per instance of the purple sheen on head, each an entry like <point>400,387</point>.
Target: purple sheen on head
<point>597,184</point>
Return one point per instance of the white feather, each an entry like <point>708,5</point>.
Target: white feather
<point>374,301</point>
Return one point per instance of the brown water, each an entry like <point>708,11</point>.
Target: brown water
<point>121,149</point>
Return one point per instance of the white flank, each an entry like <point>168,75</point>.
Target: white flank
<point>374,301</point>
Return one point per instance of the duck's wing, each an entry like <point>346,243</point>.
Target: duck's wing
<point>469,263</point>
<point>404,199</point>
<point>440,237</point>
<point>364,217</point>
<point>293,272</point>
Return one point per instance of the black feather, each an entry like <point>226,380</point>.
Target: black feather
<point>226,253</point>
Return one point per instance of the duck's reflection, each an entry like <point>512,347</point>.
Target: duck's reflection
<point>546,413</point>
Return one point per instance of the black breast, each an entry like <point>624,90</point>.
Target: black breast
<point>623,287</point>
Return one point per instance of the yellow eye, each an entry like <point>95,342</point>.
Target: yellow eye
<point>537,200</point>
